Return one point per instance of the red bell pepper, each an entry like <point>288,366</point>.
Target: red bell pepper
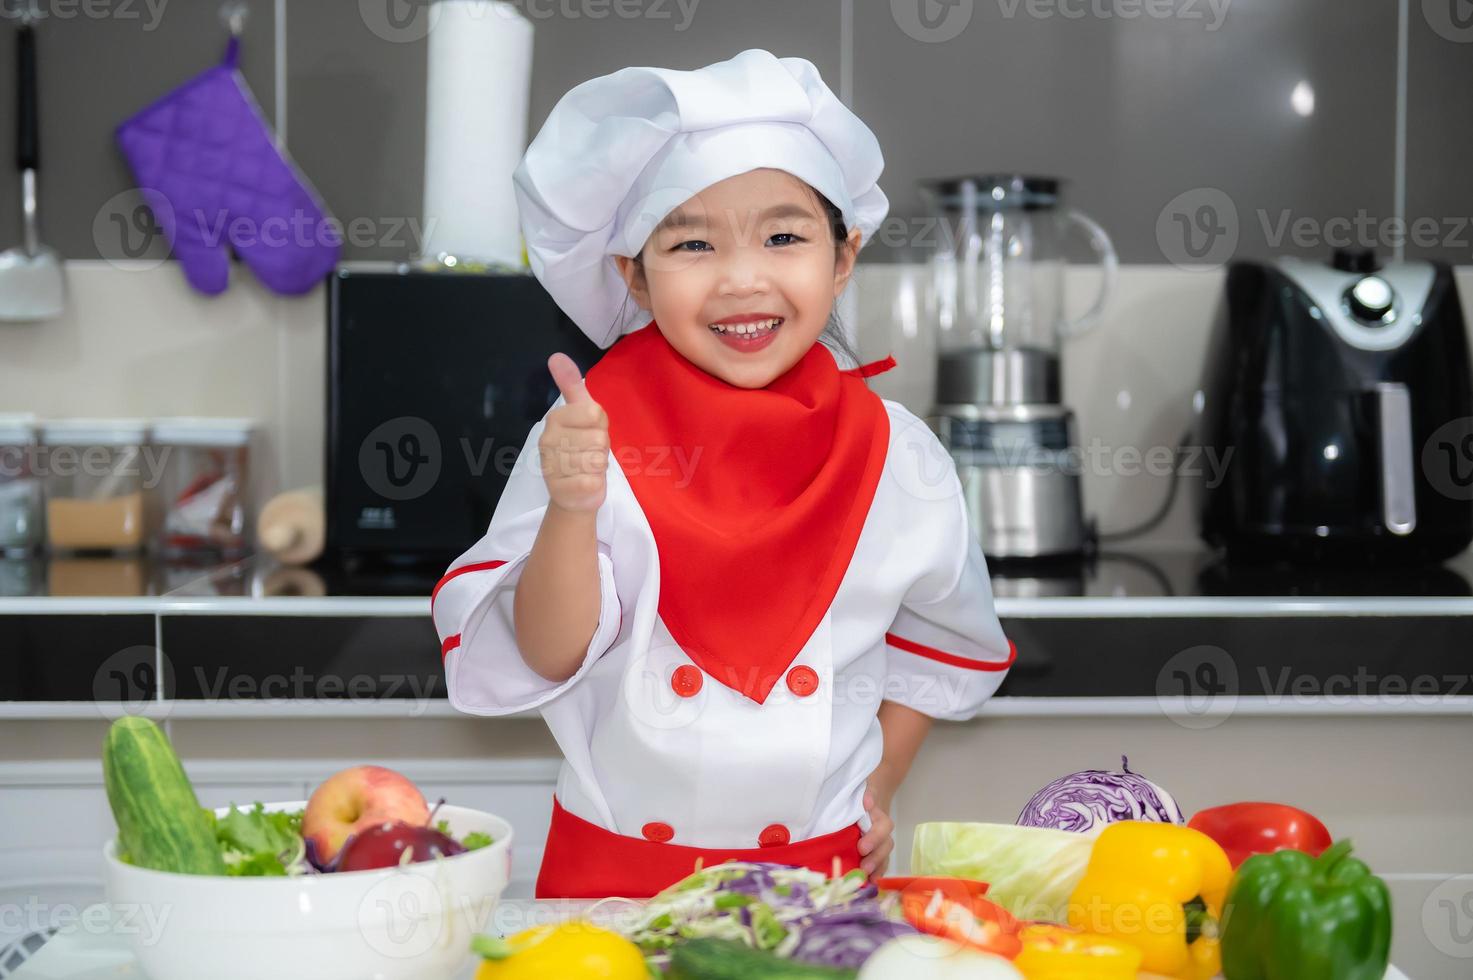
<point>955,909</point>
<point>1245,829</point>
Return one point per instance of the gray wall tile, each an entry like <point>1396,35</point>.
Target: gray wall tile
<point>1439,137</point>
<point>570,50</point>
<point>357,85</point>
<point>1135,112</point>
<point>94,72</point>
<point>356,121</point>
<point>1138,111</point>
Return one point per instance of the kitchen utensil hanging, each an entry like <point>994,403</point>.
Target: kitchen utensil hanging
<point>32,284</point>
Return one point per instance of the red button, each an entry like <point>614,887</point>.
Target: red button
<point>802,680</point>
<point>660,833</point>
<point>774,836</point>
<point>686,681</point>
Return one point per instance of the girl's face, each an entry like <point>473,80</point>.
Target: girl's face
<point>751,249</point>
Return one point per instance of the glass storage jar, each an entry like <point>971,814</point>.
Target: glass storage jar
<point>95,479</point>
<point>203,486</point>
<point>21,496</point>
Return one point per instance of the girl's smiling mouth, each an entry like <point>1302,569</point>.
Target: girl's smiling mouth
<point>747,333</point>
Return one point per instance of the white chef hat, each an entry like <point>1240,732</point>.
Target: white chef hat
<point>620,152</point>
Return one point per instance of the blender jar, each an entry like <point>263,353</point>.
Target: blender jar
<point>94,484</point>
<point>203,486</point>
<point>998,276</point>
<point>21,494</point>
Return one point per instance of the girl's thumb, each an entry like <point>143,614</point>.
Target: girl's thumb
<point>568,378</point>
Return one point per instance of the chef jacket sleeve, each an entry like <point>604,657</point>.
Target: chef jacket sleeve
<point>946,651</point>
<point>472,604</point>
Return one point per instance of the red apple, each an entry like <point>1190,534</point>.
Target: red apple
<point>383,846</point>
<point>355,799</point>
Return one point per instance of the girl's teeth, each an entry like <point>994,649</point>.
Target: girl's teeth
<point>747,329</point>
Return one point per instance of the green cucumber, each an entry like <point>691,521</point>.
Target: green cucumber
<point>160,823</point>
<point>727,959</point>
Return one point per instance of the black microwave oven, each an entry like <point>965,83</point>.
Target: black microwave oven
<point>434,380</point>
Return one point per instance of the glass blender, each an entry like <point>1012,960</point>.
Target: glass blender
<point>998,278</point>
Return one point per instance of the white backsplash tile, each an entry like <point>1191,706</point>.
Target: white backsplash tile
<point>136,340</point>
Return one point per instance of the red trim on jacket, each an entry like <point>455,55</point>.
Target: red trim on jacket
<point>951,659</point>
<point>451,642</point>
<point>480,566</point>
<point>872,368</point>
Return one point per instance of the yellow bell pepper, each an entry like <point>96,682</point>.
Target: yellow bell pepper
<point>1055,952</point>
<point>1160,888</point>
<point>574,950</point>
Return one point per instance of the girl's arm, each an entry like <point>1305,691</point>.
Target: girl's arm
<point>557,597</point>
<point>905,729</point>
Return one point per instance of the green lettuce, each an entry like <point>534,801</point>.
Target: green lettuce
<point>1032,870</point>
<point>255,843</point>
<point>473,841</point>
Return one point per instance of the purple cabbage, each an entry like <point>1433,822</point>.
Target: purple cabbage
<point>846,935</point>
<point>1084,801</point>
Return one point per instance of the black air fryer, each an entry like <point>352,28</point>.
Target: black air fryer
<point>1343,393</point>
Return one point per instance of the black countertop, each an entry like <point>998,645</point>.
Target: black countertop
<point>1157,624</point>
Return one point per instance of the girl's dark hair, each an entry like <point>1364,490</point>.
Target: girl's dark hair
<point>832,336</point>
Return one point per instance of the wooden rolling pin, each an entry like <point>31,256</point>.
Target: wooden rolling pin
<point>292,526</point>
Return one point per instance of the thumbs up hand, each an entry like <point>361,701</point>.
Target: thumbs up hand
<point>574,447</point>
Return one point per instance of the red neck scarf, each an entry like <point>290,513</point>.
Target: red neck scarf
<point>756,496</point>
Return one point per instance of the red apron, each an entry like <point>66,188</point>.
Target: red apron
<point>583,860</point>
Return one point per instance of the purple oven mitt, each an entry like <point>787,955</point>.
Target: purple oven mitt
<point>208,167</point>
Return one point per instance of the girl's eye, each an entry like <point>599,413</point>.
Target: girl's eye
<point>792,238</point>
<point>700,246</point>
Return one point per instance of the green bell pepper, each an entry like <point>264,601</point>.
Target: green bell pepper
<point>1290,916</point>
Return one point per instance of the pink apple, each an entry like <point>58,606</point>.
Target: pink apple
<point>356,799</point>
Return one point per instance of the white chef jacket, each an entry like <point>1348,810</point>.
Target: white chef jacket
<point>912,622</point>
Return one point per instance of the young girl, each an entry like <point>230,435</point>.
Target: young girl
<point>737,584</point>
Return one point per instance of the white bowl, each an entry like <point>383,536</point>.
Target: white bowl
<point>413,922</point>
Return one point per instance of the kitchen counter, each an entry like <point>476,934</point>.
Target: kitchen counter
<point>1351,700</point>
<point>1124,634</point>
<point>100,954</point>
